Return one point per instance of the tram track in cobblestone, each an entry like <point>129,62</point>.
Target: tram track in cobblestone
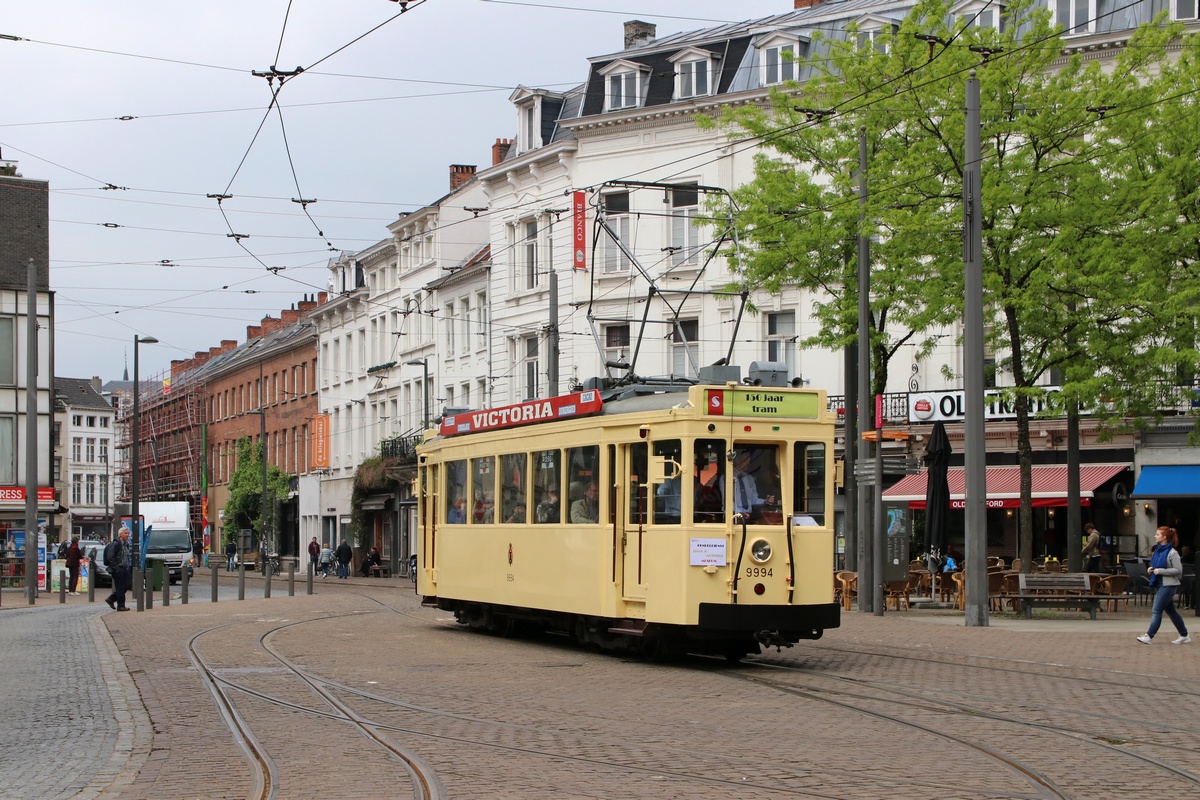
<point>425,782</point>
<point>378,730</point>
<point>925,703</point>
<point>1096,676</point>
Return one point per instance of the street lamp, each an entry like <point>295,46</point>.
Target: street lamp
<point>424,364</point>
<point>136,558</point>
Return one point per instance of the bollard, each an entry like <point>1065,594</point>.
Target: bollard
<point>62,586</point>
<point>291,578</point>
<point>91,580</point>
<point>267,578</point>
<point>166,588</point>
<point>214,584</point>
<point>148,588</point>
<point>139,584</point>
<point>183,584</point>
<point>241,580</point>
<point>311,572</point>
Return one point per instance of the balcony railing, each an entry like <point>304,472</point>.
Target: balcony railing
<point>401,448</point>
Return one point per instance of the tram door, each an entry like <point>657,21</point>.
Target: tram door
<point>630,514</point>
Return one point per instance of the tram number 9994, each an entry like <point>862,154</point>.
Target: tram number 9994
<point>759,572</point>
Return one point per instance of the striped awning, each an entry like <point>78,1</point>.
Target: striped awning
<point>1004,485</point>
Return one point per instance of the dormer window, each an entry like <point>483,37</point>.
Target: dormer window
<point>876,32</point>
<point>981,14</point>
<point>625,82</point>
<point>777,55</point>
<point>536,112</point>
<point>694,71</point>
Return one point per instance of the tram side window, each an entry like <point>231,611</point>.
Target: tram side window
<point>546,486</point>
<point>709,463</point>
<point>583,488</point>
<point>810,480</point>
<point>483,489</point>
<point>668,495</point>
<point>514,479</point>
<point>456,493</point>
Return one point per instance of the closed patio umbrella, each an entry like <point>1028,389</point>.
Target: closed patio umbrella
<point>937,497</point>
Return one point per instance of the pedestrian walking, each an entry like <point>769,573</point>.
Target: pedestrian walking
<point>1091,548</point>
<point>73,556</point>
<point>117,555</point>
<point>344,556</point>
<point>1166,569</point>
<point>314,555</point>
<point>230,555</point>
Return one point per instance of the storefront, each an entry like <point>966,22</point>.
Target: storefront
<point>1102,497</point>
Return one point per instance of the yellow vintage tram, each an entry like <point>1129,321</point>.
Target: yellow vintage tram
<point>658,519</point>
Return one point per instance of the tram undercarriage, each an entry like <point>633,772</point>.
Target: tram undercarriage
<point>653,641</point>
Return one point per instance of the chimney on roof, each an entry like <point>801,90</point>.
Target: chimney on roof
<point>271,324</point>
<point>228,345</point>
<point>290,316</point>
<point>638,33</point>
<point>253,332</point>
<point>808,3</point>
<point>500,150</point>
<point>460,174</point>
<point>97,384</point>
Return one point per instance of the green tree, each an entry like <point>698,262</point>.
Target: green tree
<point>1062,217</point>
<point>246,490</point>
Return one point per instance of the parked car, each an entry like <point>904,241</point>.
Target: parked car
<point>95,551</point>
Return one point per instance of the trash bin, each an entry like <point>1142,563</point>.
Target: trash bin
<point>157,573</point>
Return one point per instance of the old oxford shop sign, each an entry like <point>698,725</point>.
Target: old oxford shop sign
<point>949,406</point>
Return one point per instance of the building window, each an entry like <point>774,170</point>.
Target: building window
<point>104,491</point>
<point>527,262</point>
<point>1077,16</point>
<point>104,422</point>
<point>8,450</point>
<point>685,350</point>
<point>57,468</point>
<point>693,78</point>
<point>623,90</point>
<point>104,451</point>
<point>529,347</point>
<point>77,420</point>
<point>779,64</point>
<point>781,339</point>
<point>8,352</point>
<point>874,34</point>
<point>616,345</point>
<point>90,456</point>
<point>1186,9</point>
<point>91,490</point>
<point>76,489</point>
<point>450,328</point>
<point>685,236</point>
<point>616,207</point>
<point>91,421</point>
<point>76,449</point>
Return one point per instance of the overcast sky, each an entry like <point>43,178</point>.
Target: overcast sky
<point>371,126</point>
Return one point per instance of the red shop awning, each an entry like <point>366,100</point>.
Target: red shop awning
<point>1004,486</point>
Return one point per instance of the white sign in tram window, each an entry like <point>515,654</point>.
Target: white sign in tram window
<point>708,552</point>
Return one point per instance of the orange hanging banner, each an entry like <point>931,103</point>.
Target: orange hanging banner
<point>319,457</point>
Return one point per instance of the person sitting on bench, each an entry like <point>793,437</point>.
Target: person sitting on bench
<point>370,561</point>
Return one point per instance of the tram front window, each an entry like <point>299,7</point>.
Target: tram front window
<point>756,483</point>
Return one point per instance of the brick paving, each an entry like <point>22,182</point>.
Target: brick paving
<point>910,704</point>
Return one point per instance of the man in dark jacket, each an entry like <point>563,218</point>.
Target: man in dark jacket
<point>117,556</point>
<point>344,556</point>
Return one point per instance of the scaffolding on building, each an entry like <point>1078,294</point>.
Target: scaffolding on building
<point>170,447</point>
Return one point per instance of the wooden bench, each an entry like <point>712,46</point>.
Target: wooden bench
<point>1058,590</point>
<point>381,570</point>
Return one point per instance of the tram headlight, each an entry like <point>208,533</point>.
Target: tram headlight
<point>760,550</point>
